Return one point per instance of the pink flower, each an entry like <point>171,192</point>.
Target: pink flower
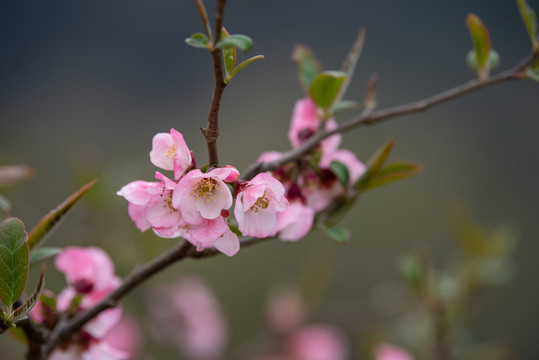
<point>257,205</point>
<point>188,316</point>
<point>170,152</point>
<point>317,342</point>
<point>201,196</point>
<point>214,232</point>
<point>295,222</point>
<point>86,269</point>
<point>91,351</point>
<point>391,352</point>
<point>150,205</point>
<point>305,122</point>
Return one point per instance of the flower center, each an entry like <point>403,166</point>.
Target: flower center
<point>261,203</point>
<point>171,151</point>
<point>205,189</point>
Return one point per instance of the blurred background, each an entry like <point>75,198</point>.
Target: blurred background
<point>86,84</point>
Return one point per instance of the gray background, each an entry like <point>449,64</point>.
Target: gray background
<point>86,84</point>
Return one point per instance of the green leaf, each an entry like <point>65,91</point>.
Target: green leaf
<point>198,40</point>
<point>393,172</point>
<point>242,65</point>
<point>344,105</point>
<point>530,21</point>
<point>336,233</point>
<point>22,311</point>
<point>41,254</point>
<point>14,174</point>
<point>229,54</point>
<point>47,223</point>
<point>481,41</point>
<point>14,254</point>
<point>375,163</point>
<point>535,65</point>
<point>350,62</point>
<point>492,63</point>
<point>341,172</point>
<point>242,42</point>
<point>325,88</point>
<point>308,66</point>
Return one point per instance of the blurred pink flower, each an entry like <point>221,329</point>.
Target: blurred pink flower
<point>170,152</point>
<point>125,336</point>
<point>86,269</point>
<point>317,342</point>
<point>91,351</point>
<point>187,315</point>
<point>305,122</point>
<point>257,204</point>
<point>285,311</point>
<point>387,351</point>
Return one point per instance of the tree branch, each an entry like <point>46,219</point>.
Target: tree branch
<point>211,132</point>
<point>370,117</point>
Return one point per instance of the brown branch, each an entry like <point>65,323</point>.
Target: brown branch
<point>36,338</point>
<point>370,117</point>
<point>211,132</point>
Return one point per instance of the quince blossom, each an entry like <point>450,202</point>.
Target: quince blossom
<point>257,205</point>
<point>170,152</point>
<point>150,205</point>
<point>201,195</point>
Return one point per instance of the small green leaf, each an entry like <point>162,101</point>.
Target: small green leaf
<point>242,42</point>
<point>393,172</point>
<point>325,88</point>
<point>492,63</point>
<point>229,54</point>
<point>375,163</point>
<point>308,66</point>
<point>47,223</point>
<point>350,62</point>
<point>530,21</point>
<point>13,174</point>
<point>242,65</point>
<point>341,172</point>
<point>481,41</point>
<point>344,105</point>
<point>22,311</point>
<point>198,40</point>
<point>41,254</point>
<point>336,233</point>
<point>14,254</point>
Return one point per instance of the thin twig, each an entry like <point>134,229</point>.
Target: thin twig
<point>369,117</point>
<point>211,132</point>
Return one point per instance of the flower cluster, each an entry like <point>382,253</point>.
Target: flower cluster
<point>196,204</point>
<point>313,184</point>
<point>90,276</point>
